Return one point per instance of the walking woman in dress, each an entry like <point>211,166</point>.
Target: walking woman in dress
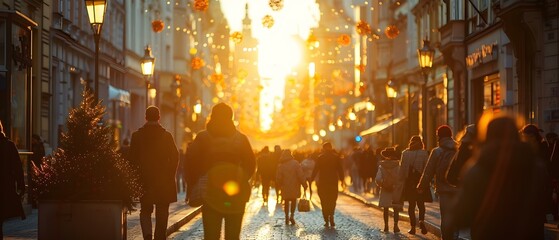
<point>412,164</point>
<point>387,179</point>
<point>329,166</point>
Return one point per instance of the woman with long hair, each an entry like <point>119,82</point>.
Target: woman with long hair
<point>412,164</point>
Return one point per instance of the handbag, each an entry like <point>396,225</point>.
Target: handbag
<point>198,193</point>
<point>304,205</point>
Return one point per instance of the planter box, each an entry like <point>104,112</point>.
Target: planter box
<point>82,220</point>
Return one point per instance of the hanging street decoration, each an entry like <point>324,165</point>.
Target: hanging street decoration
<point>312,41</point>
<point>201,5</point>
<point>197,63</point>
<point>391,31</point>
<point>363,28</point>
<point>157,25</point>
<point>268,21</point>
<point>237,37</point>
<point>276,5</point>
<point>344,40</point>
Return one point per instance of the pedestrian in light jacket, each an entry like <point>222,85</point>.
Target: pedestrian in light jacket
<point>437,167</point>
<point>153,152</point>
<point>11,181</point>
<point>289,179</point>
<point>414,159</point>
<point>389,181</point>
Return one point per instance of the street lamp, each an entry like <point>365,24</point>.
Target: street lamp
<point>425,56</point>
<point>391,93</point>
<point>96,12</point>
<point>176,86</point>
<point>148,66</point>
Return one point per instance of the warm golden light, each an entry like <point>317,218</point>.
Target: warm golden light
<point>198,108</point>
<point>340,123</point>
<point>391,92</point>
<point>152,93</point>
<point>96,10</point>
<point>322,132</point>
<point>315,137</point>
<point>352,116</point>
<point>312,69</point>
<point>332,128</point>
<point>231,188</point>
<point>147,63</point>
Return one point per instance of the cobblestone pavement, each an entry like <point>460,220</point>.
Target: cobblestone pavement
<point>353,221</point>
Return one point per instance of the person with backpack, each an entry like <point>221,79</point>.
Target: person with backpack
<point>437,166</point>
<point>414,159</point>
<point>154,153</point>
<point>387,179</point>
<point>223,156</point>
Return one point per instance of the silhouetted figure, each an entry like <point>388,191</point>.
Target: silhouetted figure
<point>329,167</point>
<point>437,166</point>
<point>289,179</point>
<point>465,151</point>
<point>413,162</point>
<point>38,149</point>
<point>501,194</point>
<point>225,156</point>
<point>11,181</point>
<point>266,170</point>
<point>368,169</point>
<point>153,151</point>
<point>308,165</point>
<point>388,179</point>
<point>276,159</point>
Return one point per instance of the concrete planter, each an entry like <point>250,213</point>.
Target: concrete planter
<point>82,220</point>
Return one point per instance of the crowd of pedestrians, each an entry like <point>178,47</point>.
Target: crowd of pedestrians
<point>496,180</point>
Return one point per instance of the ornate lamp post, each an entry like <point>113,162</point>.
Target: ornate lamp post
<point>391,93</point>
<point>96,12</point>
<point>148,66</point>
<point>425,57</point>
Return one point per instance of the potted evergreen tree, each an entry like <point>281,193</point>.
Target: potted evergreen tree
<point>85,187</point>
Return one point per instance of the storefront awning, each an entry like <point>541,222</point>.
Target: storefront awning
<point>381,126</point>
<point>116,94</point>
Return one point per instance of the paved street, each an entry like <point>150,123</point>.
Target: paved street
<point>353,221</point>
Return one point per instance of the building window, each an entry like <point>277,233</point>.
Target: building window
<point>491,91</point>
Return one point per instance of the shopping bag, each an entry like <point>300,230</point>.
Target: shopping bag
<point>304,205</point>
<point>198,192</point>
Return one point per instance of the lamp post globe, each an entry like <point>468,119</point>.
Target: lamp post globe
<point>425,56</point>
<point>96,12</point>
<point>147,65</point>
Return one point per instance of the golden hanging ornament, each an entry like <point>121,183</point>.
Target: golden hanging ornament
<point>157,25</point>
<point>276,5</point>
<point>363,28</point>
<point>312,41</point>
<point>201,5</point>
<point>360,67</point>
<point>391,31</point>
<point>237,37</point>
<point>344,40</point>
<point>197,63</point>
<point>268,21</point>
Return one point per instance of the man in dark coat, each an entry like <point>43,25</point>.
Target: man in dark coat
<point>154,152</point>
<point>225,157</point>
<point>329,167</point>
<point>12,183</point>
<point>266,170</point>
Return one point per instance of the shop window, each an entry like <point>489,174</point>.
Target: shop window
<point>21,44</point>
<point>491,91</point>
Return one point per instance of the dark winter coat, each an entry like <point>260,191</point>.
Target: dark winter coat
<point>329,168</point>
<point>501,196</point>
<point>153,151</point>
<point>11,176</point>
<point>225,167</point>
<point>437,166</point>
<point>267,166</point>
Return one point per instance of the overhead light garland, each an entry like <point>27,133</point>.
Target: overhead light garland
<point>276,5</point>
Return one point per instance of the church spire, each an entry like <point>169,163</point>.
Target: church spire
<point>247,28</point>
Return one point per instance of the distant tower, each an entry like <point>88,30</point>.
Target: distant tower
<point>246,67</point>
